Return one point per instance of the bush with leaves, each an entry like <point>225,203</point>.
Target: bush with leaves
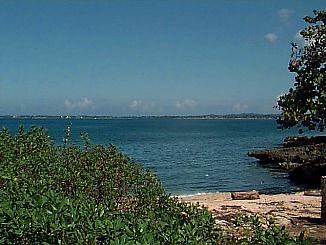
<point>66,195</point>
<point>93,195</point>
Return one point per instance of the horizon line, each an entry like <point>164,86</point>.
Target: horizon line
<point>149,115</point>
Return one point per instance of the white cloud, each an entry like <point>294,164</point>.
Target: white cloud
<point>142,106</point>
<point>186,104</point>
<point>240,107</point>
<point>271,37</point>
<point>285,14</point>
<point>83,104</point>
<point>135,103</point>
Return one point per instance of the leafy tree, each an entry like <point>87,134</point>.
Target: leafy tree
<point>305,104</point>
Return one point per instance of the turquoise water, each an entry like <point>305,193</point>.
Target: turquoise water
<point>188,156</point>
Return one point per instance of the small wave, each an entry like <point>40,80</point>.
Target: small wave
<point>196,194</point>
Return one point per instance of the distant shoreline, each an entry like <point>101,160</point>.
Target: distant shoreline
<point>243,116</point>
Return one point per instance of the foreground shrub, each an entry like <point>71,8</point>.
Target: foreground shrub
<point>68,195</point>
<point>60,195</point>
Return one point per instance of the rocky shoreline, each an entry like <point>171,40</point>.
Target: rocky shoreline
<point>304,158</point>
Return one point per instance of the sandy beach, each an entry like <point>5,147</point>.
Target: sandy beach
<point>296,211</point>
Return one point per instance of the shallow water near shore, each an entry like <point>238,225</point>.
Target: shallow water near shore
<point>188,156</point>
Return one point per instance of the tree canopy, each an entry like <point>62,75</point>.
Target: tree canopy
<point>305,104</point>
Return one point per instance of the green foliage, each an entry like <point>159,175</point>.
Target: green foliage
<point>95,195</point>
<point>305,104</point>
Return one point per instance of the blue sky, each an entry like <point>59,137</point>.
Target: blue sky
<point>119,57</point>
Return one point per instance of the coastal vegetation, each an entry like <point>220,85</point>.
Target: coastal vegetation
<point>93,194</point>
<point>305,104</point>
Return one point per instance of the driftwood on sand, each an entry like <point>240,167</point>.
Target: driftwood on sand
<point>248,195</point>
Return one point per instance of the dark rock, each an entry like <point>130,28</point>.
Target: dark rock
<point>293,141</point>
<point>288,165</point>
<point>301,154</point>
<point>306,164</point>
<point>308,173</point>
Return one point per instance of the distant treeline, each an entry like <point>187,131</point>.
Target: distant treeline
<point>209,116</point>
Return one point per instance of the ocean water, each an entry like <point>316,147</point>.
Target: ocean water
<point>188,156</point>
